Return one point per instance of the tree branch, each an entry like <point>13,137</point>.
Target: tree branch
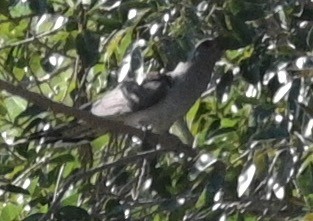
<point>102,125</point>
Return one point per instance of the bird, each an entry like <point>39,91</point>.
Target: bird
<point>159,101</point>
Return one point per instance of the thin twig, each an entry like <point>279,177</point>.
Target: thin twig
<point>28,40</point>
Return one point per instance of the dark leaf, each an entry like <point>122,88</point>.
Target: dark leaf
<point>247,10</point>
<point>4,169</point>
<point>14,189</point>
<point>87,46</point>
<point>251,71</point>
<point>72,213</point>
<point>224,85</point>
<point>4,8</point>
<point>272,133</point>
<point>39,6</point>
<point>31,111</point>
<point>114,209</point>
<point>34,217</point>
<point>62,159</point>
<point>241,30</point>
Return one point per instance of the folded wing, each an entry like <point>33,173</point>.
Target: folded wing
<point>130,97</point>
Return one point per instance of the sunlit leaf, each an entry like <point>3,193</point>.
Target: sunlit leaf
<point>245,179</point>
<point>10,212</point>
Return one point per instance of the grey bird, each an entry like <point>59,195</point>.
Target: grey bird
<point>159,102</point>
<point>161,99</point>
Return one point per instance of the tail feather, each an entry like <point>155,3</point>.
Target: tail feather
<point>73,132</point>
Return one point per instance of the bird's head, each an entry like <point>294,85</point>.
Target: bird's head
<point>207,48</point>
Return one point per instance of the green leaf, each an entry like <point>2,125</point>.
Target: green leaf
<point>124,44</point>
<point>10,212</point>
<point>71,200</point>
<point>15,106</point>
<point>305,179</point>
<point>229,122</point>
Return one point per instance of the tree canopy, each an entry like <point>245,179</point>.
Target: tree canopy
<point>251,131</point>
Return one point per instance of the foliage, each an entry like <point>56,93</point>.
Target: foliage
<point>252,128</point>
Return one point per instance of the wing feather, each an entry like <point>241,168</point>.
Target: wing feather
<point>130,97</point>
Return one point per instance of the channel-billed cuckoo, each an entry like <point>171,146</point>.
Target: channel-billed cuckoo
<point>161,99</point>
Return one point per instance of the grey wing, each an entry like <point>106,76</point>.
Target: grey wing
<point>112,103</point>
<point>131,97</point>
